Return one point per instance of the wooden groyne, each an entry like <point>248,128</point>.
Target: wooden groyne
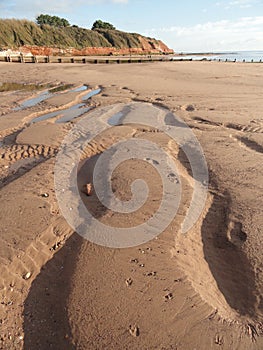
<point>110,59</point>
<point>87,59</point>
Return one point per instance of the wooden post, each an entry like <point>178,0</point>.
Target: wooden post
<point>21,57</point>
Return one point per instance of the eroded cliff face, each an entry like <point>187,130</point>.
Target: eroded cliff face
<point>154,45</point>
<point>147,47</point>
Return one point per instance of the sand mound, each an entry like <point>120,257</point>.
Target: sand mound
<point>210,256</point>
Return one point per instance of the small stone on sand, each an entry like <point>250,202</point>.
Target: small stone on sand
<point>27,276</point>
<point>89,189</point>
<point>134,331</point>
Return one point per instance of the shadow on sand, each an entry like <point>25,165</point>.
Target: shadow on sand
<point>46,324</point>
<point>46,321</point>
<point>228,263</point>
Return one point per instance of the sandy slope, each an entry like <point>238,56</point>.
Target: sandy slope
<point>203,290</point>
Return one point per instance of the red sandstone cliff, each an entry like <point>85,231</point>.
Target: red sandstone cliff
<point>147,49</point>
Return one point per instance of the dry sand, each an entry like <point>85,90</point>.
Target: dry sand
<point>203,290</point>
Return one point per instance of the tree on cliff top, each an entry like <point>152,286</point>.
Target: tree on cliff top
<point>102,25</point>
<point>52,21</point>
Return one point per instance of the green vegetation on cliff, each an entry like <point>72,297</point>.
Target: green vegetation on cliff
<point>16,33</point>
<point>99,24</point>
<point>52,21</point>
<point>119,39</point>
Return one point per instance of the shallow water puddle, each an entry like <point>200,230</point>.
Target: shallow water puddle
<point>34,101</point>
<point>70,113</point>
<point>46,116</point>
<point>47,94</point>
<point>116,119</point>
<point>81,88</point>
<point>66,114</point>
<point>90,94</point>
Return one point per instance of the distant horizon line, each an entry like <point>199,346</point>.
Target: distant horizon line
<point>179,52</point>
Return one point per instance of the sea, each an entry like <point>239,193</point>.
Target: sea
<point>238,56</point>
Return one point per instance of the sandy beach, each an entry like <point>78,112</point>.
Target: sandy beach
<point>200,290</point>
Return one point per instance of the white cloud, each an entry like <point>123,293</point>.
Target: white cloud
<point>241,4</point>
<point>243,34</point>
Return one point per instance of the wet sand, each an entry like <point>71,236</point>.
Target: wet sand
<point>202,290</point>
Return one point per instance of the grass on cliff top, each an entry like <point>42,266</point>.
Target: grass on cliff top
<point>15,33</point>
<point>120,39</point>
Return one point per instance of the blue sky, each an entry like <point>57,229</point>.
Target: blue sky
<point>184,25</point>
